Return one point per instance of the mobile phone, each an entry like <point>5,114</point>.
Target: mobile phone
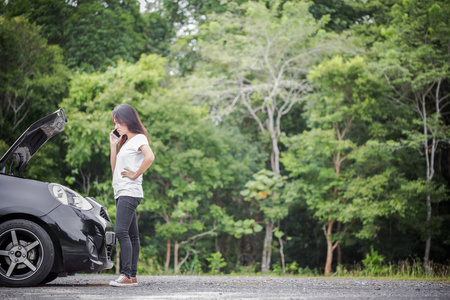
<point>116,133</point>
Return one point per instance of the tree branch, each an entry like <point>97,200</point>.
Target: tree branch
<point>198,236</point>
<point>252,112</point>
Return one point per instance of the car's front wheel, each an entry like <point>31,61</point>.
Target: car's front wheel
<point>26,253</point>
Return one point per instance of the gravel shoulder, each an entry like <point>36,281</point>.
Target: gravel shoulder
<point>230,287</point>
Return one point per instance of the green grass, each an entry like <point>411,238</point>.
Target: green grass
<point>409,269</point>
<point>405,269</point>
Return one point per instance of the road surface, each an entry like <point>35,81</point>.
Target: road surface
<point>230,287</point>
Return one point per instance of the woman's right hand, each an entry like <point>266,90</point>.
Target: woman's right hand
<point>113,140</point>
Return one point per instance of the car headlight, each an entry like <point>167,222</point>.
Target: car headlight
<point>68,197</point>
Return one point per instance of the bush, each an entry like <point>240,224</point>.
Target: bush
<point>373,263</point>
<point>216,262</point>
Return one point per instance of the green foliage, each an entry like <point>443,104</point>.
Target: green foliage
<point>267,193</point>
<point>414,59</point>
<point>94,34</point>
<point>345,14</point>
<point>373,262</point>
<point>409,269</point>
<point>159,32</point>
<point>340,173</point>
<point>49,15</point>
<point>415,52</point>
<point>308,272</point>
<point>195,160</point>
<point>216,262</point>
<point>262,64</point>
<point>211,108</point>
<point>91,100</point>
<point>227,224</point>
<point>33,81</point>
<point>98,35</point>
<point>246,270</point>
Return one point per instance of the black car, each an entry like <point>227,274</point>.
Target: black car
<point>47,230</point>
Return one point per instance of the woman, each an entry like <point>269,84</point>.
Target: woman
<point>131,155</point>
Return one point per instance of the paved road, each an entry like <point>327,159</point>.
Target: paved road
<point>227,287</point>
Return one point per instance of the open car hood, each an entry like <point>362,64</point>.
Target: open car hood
<point>31,141</point>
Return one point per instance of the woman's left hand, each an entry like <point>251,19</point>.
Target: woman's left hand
<point>128,173</point>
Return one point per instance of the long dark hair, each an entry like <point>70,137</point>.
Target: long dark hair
<point>127,115</point>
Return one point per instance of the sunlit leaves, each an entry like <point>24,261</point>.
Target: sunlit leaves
<point>339,172</point>
<point>267,191</point>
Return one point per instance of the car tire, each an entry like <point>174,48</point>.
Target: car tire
<point>26,253</point>
<point>50,277</point>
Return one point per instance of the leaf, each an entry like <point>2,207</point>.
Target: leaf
<point>257,228</point>
<point>245,193</point>
<point>248,231</point>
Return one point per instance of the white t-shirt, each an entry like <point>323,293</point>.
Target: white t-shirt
<point>129,157</point>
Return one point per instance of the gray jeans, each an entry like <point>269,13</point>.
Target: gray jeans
<point>127,232</point>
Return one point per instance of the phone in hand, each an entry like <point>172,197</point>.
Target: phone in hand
<point>116,133</point>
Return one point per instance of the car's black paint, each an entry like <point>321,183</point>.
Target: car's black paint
<point>32,140</point>
<point>19,195</point>
<point>74,228</point>
<point>40,237</point>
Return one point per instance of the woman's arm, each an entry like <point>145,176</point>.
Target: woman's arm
<point>149,157</point>
<point>113,141</point>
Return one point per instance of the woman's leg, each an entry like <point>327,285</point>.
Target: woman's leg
<point>126,213</point>
<point>135,244</point>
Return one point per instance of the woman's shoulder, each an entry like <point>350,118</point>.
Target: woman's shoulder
<point>141,138</point>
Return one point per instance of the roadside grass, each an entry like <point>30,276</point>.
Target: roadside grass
<point>409,269</point>
<point>372,267</point>
<point>402,270</point>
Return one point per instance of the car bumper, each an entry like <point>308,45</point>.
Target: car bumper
<point>86,238</point>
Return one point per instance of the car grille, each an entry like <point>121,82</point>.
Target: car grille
<point>104,214</point>
<point>109,252</point>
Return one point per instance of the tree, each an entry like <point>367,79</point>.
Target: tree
<point>196,162</point>
<point>345,175</point>
<point>261,68</point>
<point>195,159</point>
<point>91,99</point>
<point>49,15</point>
<point>99,33</point>
<point>94,34</point>
<point>32,76</point>
<point>33,81</point>
<point>159,32</point>
<point>347,14</point>
<point>415,60</point>
<point>267,193</point>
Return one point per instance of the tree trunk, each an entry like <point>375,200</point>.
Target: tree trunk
<point>426,260</point>
<point>175,256</point>
<point>167,218</point>
<point>166,267</point>
<point>339,255</point>
<point>337,160</point>
<point>274,130</point>
<point>283,263</point>
<point>329,261</point>
<point>429,155</point>
<point>275,156</point>
<point>267,250</point>
<point>330,247</point>
<point>179,264</point>
<point>339,250</point>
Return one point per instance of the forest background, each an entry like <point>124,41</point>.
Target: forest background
<point>290,136</point>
